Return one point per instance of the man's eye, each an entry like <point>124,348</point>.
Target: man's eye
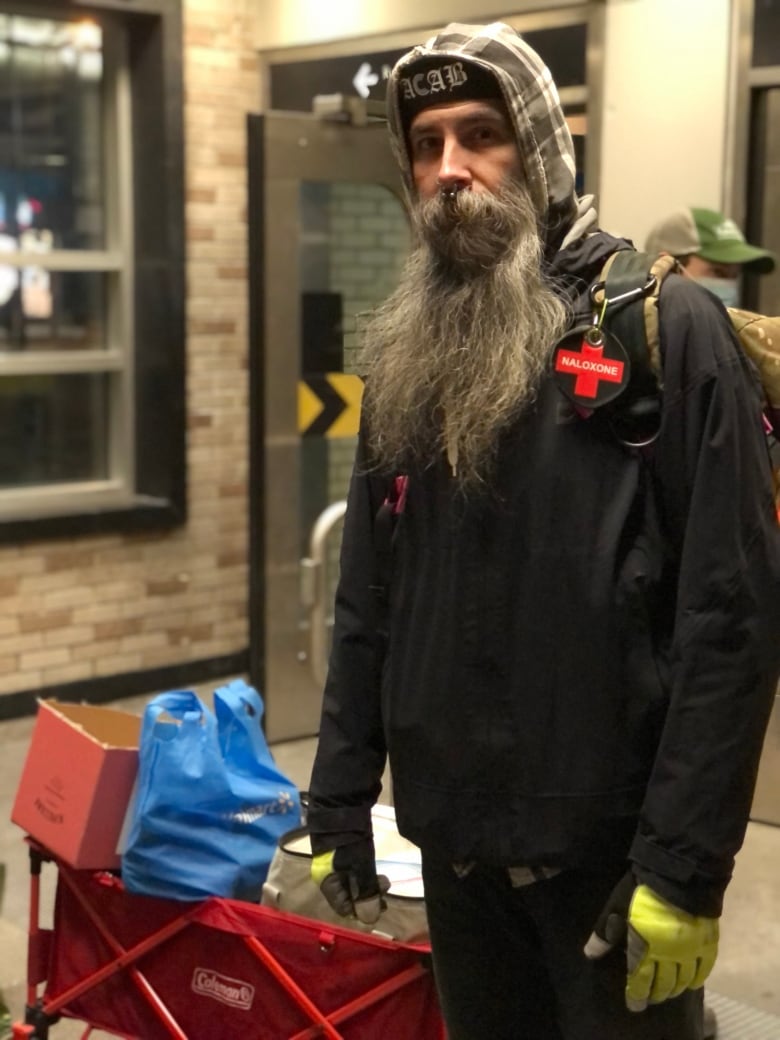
<point>485,135</point>
<point>424,145</point>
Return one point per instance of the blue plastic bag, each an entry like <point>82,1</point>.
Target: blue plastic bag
<point>210,803</point>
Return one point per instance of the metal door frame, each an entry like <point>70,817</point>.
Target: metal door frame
<point>284,150</point>
<point>742,190</point>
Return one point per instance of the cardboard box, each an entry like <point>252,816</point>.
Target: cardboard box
<point>76,782</point>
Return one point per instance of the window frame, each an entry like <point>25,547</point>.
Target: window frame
<point>143,265</point>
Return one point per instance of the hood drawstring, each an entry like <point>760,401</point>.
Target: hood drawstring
<point>585,219</point>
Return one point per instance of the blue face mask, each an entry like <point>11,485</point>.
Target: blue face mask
<point>726,289</point>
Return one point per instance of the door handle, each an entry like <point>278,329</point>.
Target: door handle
<point>314,587</point>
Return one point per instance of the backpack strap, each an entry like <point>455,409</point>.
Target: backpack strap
<point>660,267</point>
<point>630,284</point>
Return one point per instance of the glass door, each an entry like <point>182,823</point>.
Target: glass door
<point>328,234</point>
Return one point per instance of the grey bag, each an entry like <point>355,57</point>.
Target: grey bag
<point>289,886</point>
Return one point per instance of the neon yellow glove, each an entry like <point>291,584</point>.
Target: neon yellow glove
<point>667,949</point>
<point>347,878</point>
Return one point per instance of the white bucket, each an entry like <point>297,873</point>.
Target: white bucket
<point>289,886</point>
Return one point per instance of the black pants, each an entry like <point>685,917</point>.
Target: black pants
<point>509,963</point>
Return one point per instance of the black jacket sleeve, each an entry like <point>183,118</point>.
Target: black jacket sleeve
<point>351,753</point>
<point>714,483</point>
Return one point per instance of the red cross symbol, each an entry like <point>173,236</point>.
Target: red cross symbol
<point>590,367</point>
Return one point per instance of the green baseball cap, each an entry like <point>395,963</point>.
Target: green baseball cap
<point>710,235</point>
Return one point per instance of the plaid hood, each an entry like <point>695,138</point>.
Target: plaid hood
<point>526,86</point>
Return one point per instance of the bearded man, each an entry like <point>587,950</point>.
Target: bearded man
<point>572,658</point>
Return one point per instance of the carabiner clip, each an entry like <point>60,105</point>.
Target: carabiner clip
<point>632,294</point>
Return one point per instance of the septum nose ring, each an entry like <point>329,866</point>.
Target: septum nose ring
<point>449,192</point>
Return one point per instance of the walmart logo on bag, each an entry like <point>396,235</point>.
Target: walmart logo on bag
<point>280,807</point>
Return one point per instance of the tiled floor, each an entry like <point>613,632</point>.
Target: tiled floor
<point>745,983</point>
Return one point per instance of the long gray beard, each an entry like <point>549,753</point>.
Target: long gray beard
<point>459,349</point>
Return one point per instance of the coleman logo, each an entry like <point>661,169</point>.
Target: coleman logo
<point>435,81</point>
<point>228,991</point>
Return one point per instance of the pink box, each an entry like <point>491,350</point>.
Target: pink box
<point>77,780</point>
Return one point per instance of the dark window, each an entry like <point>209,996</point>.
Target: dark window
<point>766,32</point>
<point>91,268</point>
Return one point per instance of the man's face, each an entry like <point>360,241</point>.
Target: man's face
<point>720,279</point>
<point>460,349</point>
<point>698,267</point>
<point>468,145</point>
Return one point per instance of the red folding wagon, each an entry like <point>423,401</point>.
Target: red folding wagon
<point>219,969</point>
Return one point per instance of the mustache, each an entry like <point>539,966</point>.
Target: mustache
<point>468,231</point>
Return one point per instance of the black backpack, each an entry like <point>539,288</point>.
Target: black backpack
<point>625,298</point>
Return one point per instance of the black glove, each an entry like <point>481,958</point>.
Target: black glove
<point>612,923</point>
<point>347,878</point>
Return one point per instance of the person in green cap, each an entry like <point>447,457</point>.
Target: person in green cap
<point>711,249</point>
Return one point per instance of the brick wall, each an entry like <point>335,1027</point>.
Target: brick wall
<point>101,606</point>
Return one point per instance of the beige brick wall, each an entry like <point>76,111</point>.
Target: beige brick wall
<point>100,606</point>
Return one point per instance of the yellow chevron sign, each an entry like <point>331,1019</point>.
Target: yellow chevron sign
<point>329,404</point>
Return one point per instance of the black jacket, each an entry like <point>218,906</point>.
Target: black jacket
<point>578,665</point>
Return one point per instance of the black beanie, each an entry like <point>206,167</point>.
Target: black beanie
<point>439,80</point>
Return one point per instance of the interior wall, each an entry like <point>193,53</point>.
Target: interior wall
<point>295,23</point>
<point>664,110</point>
<point>665,87</point>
